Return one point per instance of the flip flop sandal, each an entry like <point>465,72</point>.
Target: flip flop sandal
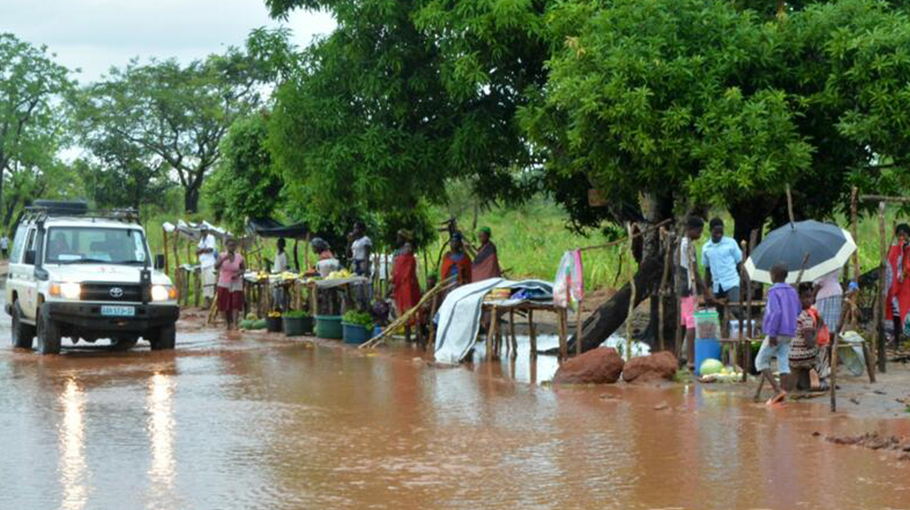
<point>777,399</point>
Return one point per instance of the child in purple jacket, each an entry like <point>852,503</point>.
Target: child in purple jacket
<point>779,326</point>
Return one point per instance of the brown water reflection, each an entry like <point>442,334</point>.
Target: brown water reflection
<point>253,423</point>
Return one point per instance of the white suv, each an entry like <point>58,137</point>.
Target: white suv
<point>86,275</point>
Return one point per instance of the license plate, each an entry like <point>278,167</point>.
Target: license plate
<point>118,311</point>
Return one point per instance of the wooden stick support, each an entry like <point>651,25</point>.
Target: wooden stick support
<point>631,315</point>
<point>491,335</point>
<point>532,333</point>
<point>578,328</point>
<point>882,304</point>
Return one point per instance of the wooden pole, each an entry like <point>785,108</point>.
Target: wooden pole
<point>563,333</point>
<point>513,340</point>
<point>742,297</point>
<point>493,332</point>
<point>880,309</point>
<point>747,363</point>
<point>167,267</point>
<point>667,239</point>
<point>883,198</point>
<point>578,327</point>
<point>631,314</point>
<point>532,333</point>
<point>854,221</point>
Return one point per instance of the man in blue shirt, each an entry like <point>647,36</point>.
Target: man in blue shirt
<point>722,260</point>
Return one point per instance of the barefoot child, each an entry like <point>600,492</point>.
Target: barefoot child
<point>804,348</point>
<point>779,326</point>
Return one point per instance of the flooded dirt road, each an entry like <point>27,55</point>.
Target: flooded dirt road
<point>247,422</point>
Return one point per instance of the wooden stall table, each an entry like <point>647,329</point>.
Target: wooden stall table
<point>339,286</point>
<point>511,307</point>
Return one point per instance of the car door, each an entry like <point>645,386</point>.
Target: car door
<point>19,272</point>
<point>26,277</point>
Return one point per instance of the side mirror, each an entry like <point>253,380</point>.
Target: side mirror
<point>29,257</point>
<point>159,262</point>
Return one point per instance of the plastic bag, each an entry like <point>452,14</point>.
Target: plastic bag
<point>569,286</point>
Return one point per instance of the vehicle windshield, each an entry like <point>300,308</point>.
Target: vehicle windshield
<point>86,245</point>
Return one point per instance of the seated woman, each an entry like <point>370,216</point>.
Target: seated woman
<point>804,349</point>
<point>327,262</point>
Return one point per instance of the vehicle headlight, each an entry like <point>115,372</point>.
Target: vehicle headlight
<point>66,290</point>
<point>164,293</point>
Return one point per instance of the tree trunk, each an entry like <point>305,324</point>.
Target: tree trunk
<point>611,315</point>
<point>191,199</point>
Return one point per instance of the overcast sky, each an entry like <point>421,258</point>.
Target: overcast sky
<point>96,34</point>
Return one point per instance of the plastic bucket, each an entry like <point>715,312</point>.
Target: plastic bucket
<point>297,326</point>
<point>376,331</point>
<point>273,324</point>
<point>706,348</point>
<point>329,327</point>
<point>354,334</point>
<point>707,325</point>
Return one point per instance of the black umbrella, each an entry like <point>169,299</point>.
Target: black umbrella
<point>829,247</point>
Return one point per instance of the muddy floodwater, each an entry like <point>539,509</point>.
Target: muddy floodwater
<point>254,422</point>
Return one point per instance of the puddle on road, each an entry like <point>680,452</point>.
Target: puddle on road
<point>266,423</point>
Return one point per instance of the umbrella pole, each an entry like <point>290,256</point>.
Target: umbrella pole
<point>880,309</point>
<point>790,205</point>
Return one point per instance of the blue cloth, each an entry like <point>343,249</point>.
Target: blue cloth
<point>721,259</point>
<point>781,351</point>
<point>782,310</point>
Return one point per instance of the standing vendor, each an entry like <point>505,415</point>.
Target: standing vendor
<point>280,265</point>
<point>360,249</point>
<point>689,283</point>
<point>722,259</point>
<point>205,251</point>
<point>230,267</point>
<point>456,262</point>
<point>486,262</point>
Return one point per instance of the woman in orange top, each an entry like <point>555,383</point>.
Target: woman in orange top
<point>456,262</point>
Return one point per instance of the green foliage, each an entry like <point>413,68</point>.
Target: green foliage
<point>245,185</point>
<point>118,174</point>
<point>33,116</point>
<point>177,113</point>
<point>297,314</point>
<point>356,318</point>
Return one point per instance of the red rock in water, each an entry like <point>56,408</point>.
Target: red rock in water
<point>651,368</point>
<point>597,366</point>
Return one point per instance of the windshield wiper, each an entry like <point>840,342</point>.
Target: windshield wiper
<point>128,262</point>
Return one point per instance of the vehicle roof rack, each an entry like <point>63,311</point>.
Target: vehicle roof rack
<point>43,209</point>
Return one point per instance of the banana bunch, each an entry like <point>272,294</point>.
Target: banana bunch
<point>339,275</point>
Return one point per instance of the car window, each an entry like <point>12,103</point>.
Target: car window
<point>30,240</point>
<point>73,245</point>
<point>18,244</point>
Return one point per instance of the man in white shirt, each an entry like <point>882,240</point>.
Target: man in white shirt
<point>360,250</point>
<point>280,265</point>
<point>4,246</point>
<point>206,253</point>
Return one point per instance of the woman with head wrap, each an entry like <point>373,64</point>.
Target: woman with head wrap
<point>456,262</point>
<point>486,262</point>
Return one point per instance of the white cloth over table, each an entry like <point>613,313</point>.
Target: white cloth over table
<point>459,316</point>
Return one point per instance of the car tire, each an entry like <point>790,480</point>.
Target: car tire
<point>165,338</point>
<point>48,333</point>
<point>23,335</point>
<point>123,344</point>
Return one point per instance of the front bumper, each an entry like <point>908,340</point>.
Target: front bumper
<point>87,316</point>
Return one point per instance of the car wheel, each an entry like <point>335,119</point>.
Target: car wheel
<point>125,343</point>
<point>48,333</point>
<point>165,338</point>
<point>23,335</point>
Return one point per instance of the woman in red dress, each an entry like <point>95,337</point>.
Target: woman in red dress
<point>897,301</point>
<point>405,287</point>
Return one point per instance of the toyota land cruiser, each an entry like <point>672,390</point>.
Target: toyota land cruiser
<point>86,275</point>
